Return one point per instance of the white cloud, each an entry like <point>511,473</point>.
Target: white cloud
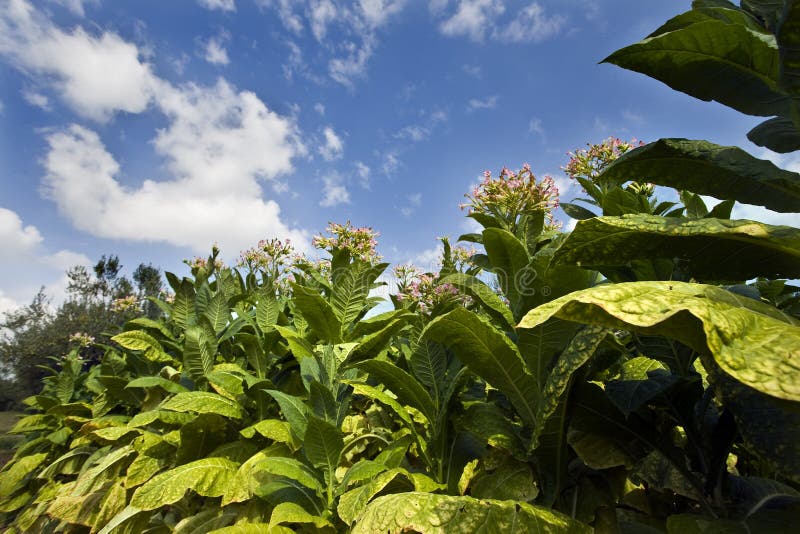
<point>215,52</point>
<point>36,99</point>
<point>477,19</point>
<point>289,18</point>
<point>223,5</point>
<point>334,190</point>
<point>208,146</point>
<point>26,265</point>
<point>363,172</point>
<point>319,108</point>
<point>76,6</point>
<point>333,147</point>
<point>531,24</point>
<point>487,103</point>
<point>322,13</point>
<point>428,260</point>
<point>77,64</point>
<point>472,18</point>
<point>347,51</point>
<point>353,64</point>
<point>390,163</point>
<point>377,12</point>
<point>16,239</point>
<point>414,133</point>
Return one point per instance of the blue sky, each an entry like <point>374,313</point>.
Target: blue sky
<point>151,129</point>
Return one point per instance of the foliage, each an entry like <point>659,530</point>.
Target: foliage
<point>636,374</point>
<point>97,306</point>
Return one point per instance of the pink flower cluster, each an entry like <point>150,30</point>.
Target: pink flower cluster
<point>268,255</point>
<point>359,242</point>
<point>201,263</point>
<point>425,290</point>
<point>589,163</point>
<point>512,194</point>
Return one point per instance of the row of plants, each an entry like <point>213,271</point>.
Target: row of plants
<point>639,373</point>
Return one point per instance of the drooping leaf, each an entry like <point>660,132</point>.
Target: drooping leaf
<point>294,411</point>
<point>203,402</point>
<point>491,302</point>
<point>371,344</point>
<point>577,211</point>
<point>710,58</point>
<point>509,261</point>
<point>319,314</point>
<point>489,354</point>
<point>156,381</point>
<point>640,380</point>
<point>208,477</point>
<point>402,384</point>
<point>724,172</point>
<point>441,514</point>
<point>750,341</point>
<point>710,249</point>
<point>778,134</point>
<point>289,512</point>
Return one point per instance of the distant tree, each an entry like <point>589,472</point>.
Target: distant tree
<point>97,307</point>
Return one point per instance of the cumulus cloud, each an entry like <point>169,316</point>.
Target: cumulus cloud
<point>26,264</point>
<point>215,52</point>
<point>334,191</point>
<point>77,63</point>
<point>479,19</point>
<point>219,143</point>
<point>333,147</point>
<point>222,5</point>
<point>215,194</point>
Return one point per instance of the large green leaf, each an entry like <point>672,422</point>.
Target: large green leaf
<point>294,410</point>
<point>724,172</point>
<point>489,354</point>
<point>203,402</point>
<point>752,342</point>
<point>319,314</point>
<point>402,384</point>
<point>509,261</point>
<point>199,351</point>
<point>208,477</point>
<point>442,514</point>
<point>351,289</point>
<point>778,134</point>
<point>323,446</point>
<point>478,290</point>
<point>710,58</point>
<point>709,249</point>
<point>371,344</point>
<point>217,312</point>
<point>183,308</point>
<point>267,310</point>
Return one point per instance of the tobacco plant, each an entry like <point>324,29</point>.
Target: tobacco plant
<point>638,373</point>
